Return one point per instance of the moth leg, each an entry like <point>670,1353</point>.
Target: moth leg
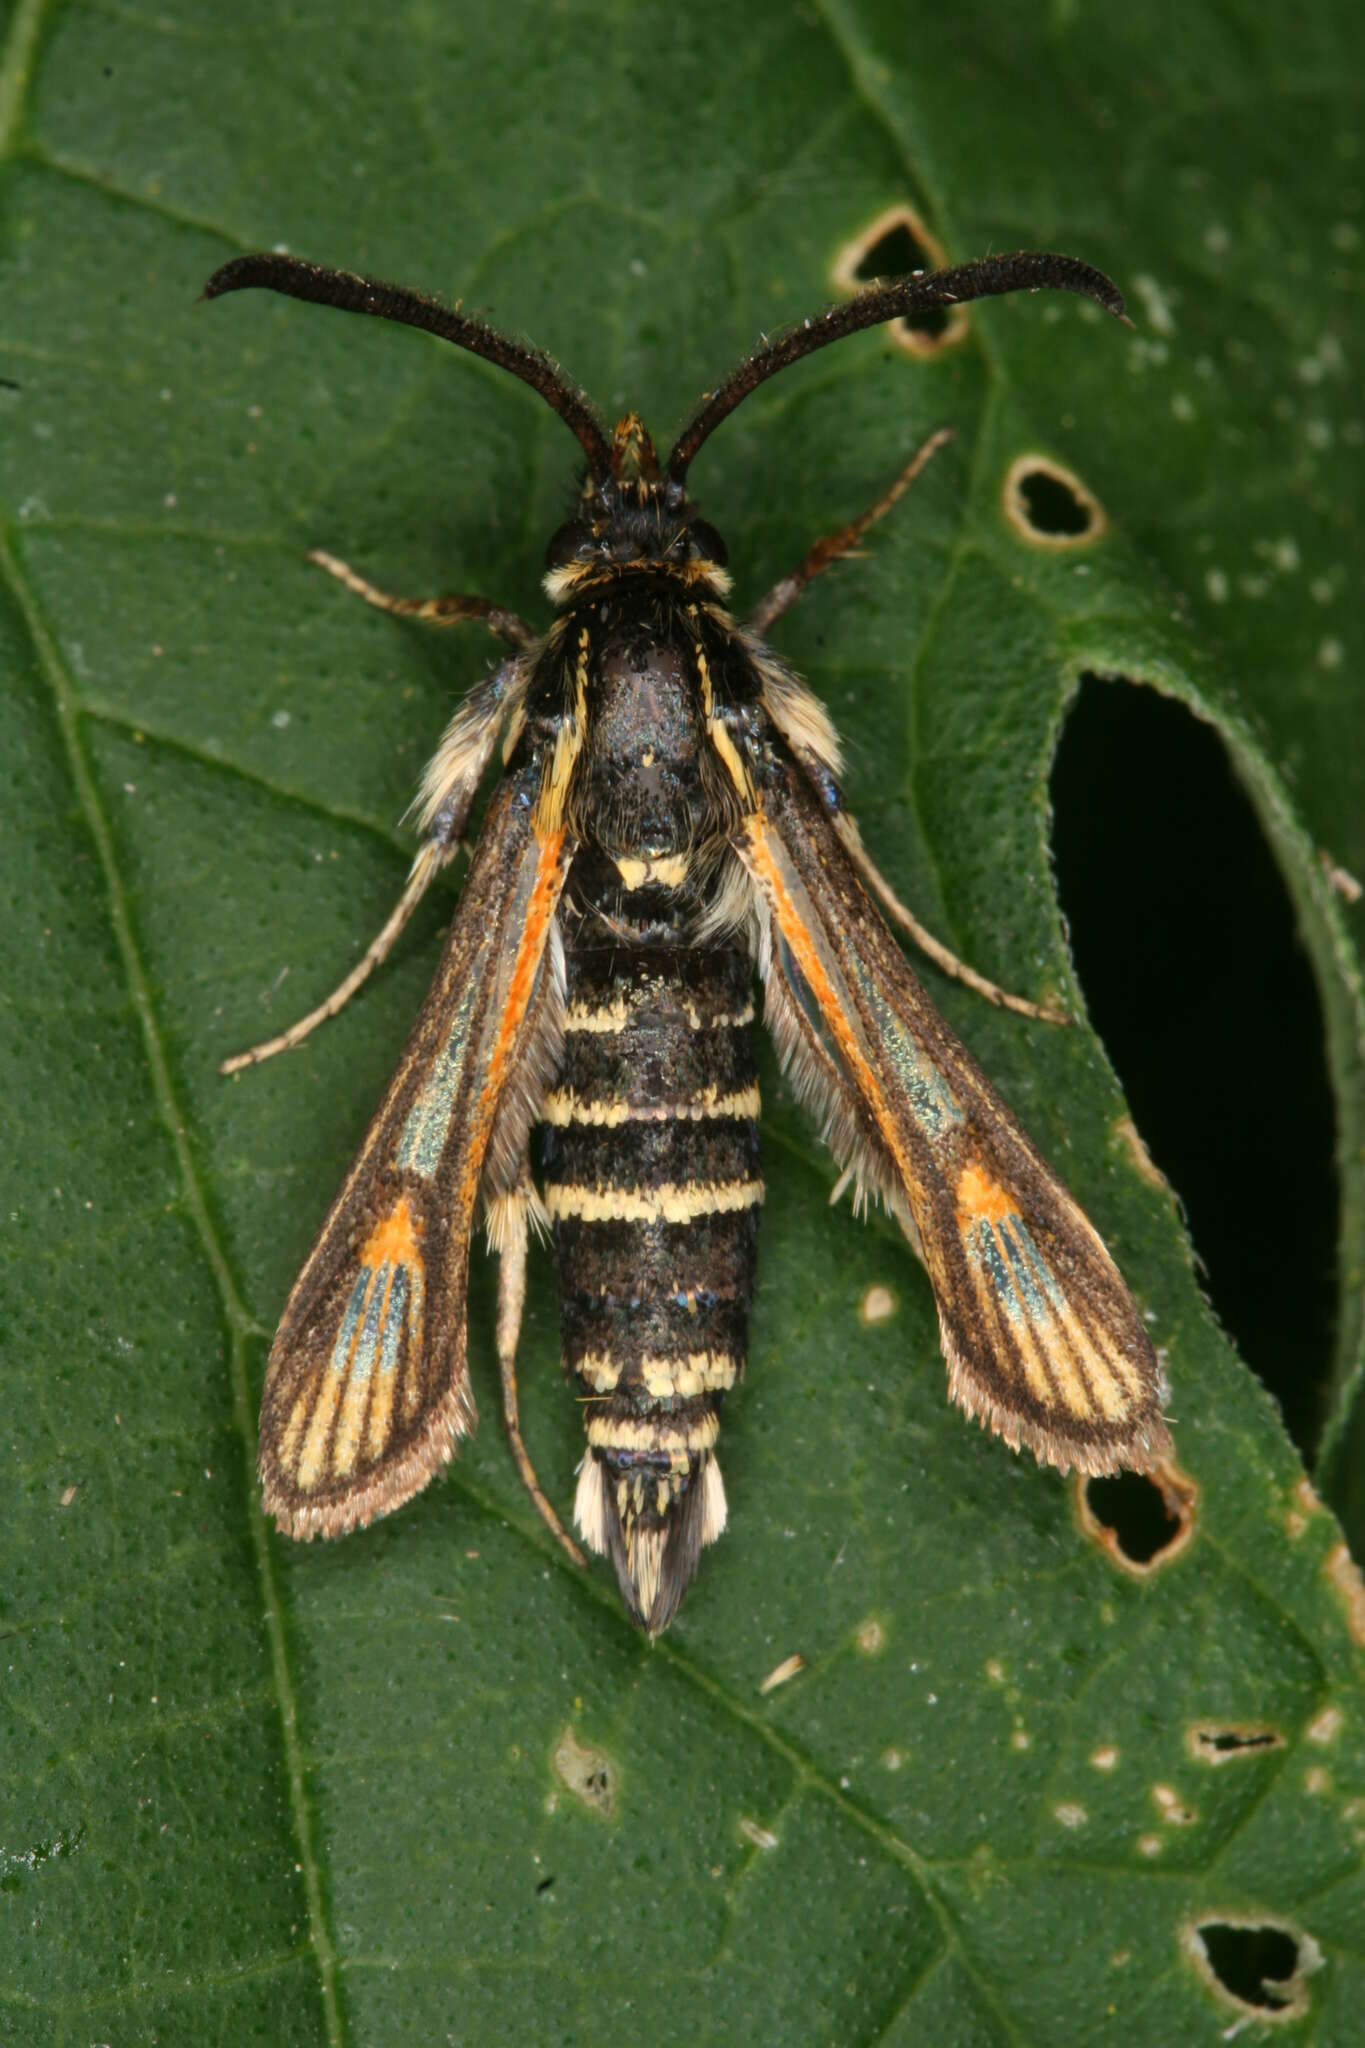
<point>934,949</point>
<point>432,611</point>
<point>832,547</point>
<point>508,1217</point>
<point>431,857</point>
<point>448,791</point>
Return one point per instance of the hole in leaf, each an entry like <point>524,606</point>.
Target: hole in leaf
<point>1254,1963</point>
<point>545,1885</point>
<point>898,253</point>
<point>1260,1965</point>
<point>1143,1520</point>
<point>897,244</point>
<point>1049,506</point>
<point>1131,1508</point>
<point>1221,1745</point>
<point>1184,940</point>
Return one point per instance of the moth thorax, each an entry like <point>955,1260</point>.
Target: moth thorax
<point>645,795</point>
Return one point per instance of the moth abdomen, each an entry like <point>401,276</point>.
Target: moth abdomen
<point>651,1494</point>
<point>652,1182</point>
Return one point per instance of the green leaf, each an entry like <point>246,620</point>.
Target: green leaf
<point>426,1784</point>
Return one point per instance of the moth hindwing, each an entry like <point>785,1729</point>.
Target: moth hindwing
<point>667,830</point>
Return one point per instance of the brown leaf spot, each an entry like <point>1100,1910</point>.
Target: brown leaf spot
<point>1130,1138</point>
<point>588,1774</point>
<point>1343,1575</point>
<point>1217,1742</point>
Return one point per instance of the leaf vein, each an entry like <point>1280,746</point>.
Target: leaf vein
<point>239,1322</point>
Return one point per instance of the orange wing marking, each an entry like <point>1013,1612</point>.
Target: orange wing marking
<point>1010,1276</point>
<point>831,1008</point>
<point>980,1196</point>
<point>539,913</point>
<point>393,1239</point>
<point>353,1406</point>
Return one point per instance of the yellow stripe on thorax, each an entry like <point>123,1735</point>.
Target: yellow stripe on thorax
<point>569,738</point>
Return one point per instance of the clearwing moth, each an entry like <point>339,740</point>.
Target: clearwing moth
<point>667,829</point>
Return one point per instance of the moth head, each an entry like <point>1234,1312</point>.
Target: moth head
<point>632,518</point>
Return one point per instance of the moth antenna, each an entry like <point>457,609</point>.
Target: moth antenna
<point>1027,270</point>
<point>352,294</point>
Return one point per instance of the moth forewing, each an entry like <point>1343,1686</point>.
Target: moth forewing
<point>1042,1339</point>
<point>367,1388</point>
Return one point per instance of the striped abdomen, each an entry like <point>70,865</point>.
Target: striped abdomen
<point>651,1173</point>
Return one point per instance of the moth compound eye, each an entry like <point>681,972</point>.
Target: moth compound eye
<point>707,544</point>
<point>565,544</point>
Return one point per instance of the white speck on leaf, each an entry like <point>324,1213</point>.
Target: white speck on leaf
<point>877,1305</point>
<point>1155,304</point>
<point>1326,1726</point>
